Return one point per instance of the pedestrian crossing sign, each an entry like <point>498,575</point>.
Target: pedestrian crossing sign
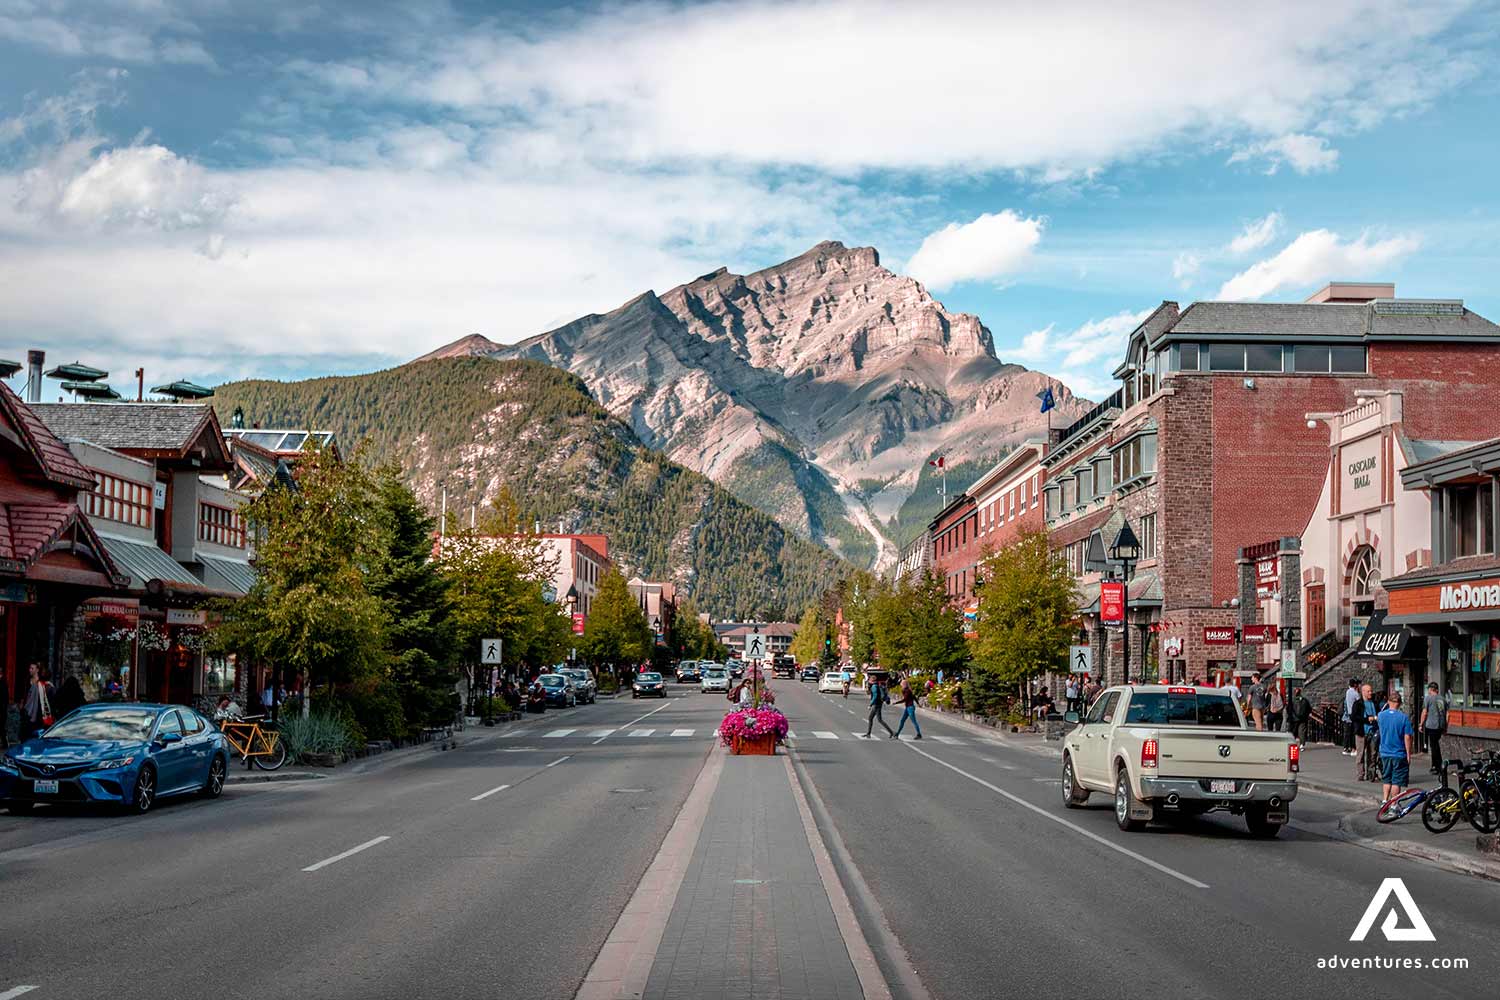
<point>1080,660</point>
<point>755,647</point>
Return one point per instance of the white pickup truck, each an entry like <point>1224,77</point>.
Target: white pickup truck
<point>1166,751</point>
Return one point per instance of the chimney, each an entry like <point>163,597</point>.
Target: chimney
<point>34,361</point>
<point>1353,292</point>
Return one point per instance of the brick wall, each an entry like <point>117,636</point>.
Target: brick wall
<point>1448,391</point>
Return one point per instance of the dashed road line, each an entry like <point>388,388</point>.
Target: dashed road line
<point>560,760</point>
<point>485,795</point>
<point>16,991</point>
<point>341,856</point>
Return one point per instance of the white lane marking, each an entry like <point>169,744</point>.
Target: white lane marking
<point>682,732</point>
<point>600,732</point>
<point>558,734</point>
<point>1003,767</point>
<point>952,741</point>
<point>824,734</point>
<point>642,732</point>
<point>492,791</point>
<point>643,718</point>
<point>345,854</point>
<point>560,760</point>
<point>1062,822</point>
<point>16,991</point>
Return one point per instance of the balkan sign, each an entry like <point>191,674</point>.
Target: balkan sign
<point>1258,635</point>
<point>1112,602</point>
<point>1219,635</point>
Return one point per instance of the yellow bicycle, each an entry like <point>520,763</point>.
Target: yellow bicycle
<point>254,743</point>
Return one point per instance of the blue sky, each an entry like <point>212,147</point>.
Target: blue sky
<point>216,190</point>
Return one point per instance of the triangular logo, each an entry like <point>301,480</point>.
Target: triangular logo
<point>1417,929</point>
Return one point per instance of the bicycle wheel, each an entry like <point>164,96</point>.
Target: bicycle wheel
<point>1478,808</point>
<point>275,753</point>
<point>1400,805</point>
<point>1441,810</point>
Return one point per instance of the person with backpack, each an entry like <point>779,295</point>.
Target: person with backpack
<point>879,698</point>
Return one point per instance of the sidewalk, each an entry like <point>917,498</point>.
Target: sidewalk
<point>238,775</point>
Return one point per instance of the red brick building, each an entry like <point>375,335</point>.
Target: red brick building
<point>956,548</point>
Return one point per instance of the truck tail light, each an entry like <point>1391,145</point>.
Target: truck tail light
<point>1148,753</point>
<point>1294,758</point>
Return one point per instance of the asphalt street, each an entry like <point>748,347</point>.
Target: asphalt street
<point>500,868</point>
<point>993,888</point>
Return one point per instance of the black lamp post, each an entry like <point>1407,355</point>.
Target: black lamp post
<point>1126,550</point>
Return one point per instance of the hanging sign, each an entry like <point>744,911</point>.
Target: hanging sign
<point>1112,602</point>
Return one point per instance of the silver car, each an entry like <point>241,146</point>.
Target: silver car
<point>715,678</point>
<point>584,688</point>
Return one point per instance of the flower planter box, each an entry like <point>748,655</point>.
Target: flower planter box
<point>764,746</point>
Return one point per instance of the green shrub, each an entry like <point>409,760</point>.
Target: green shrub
<point>378,710</point>
<point>320,732</point>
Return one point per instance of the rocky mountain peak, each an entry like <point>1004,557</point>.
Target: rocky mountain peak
<point>474,345</point>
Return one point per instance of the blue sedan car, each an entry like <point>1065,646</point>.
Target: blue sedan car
<point>125,754</point>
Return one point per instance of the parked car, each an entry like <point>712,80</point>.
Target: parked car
<point>783,665</point>
<point>649,685</point>
<point>810,673</point>
<point>715,678</point>
<point>833,681</point>
<point>1169,750</point>
<point>736,668</point>
<point>124,754</point>
<point>687,672</point>
<point>585,692</point>
<point>558,690</point>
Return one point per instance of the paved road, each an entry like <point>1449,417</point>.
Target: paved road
<point>988,882</point>
<point>511,894</point>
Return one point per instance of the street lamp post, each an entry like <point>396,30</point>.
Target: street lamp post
<point>1126,551</point>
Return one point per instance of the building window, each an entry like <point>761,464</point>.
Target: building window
<point>1135,458</point>
<point>1262,357</point>
<point>1226,357</point>
<point>1148,536</point>
<point>1347,359</point>
<point>1035,489</point>
<point>1102,483</point>
<point>1364,575</point>
<point>117,499</point>
<point>1187,357</point>
<point>220,525</point>
<point>1069,492</point>
<point>1085,486</point>
<point>1013,503</point>
<point>1051,492</point>
<point>1310,358</point>
<point>1471,517</point>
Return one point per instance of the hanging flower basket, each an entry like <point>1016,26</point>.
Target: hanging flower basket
<point>753,730</point>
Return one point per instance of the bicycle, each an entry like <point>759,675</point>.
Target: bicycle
<point>254,743</point>
<point>1440,806</point>
<point>1479,795</point>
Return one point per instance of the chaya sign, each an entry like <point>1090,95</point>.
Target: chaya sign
<point>1218,635</point>
<point>1112,602</point>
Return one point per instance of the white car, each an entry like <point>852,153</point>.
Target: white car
<point>831,681</point>
<point>715,678</point>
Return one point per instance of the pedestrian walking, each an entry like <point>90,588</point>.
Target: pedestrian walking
<point>36,710</point>
<point>268,701</point>
<point>1260,703</point>
<point>1365,719</point>
<point>1434,723</point>
<point>1396,736</point>
<point>1351,698</point>
<point>1276,710</point>
<point>1091,691</point>
<point>909,709</point>
<point>1071,691</point>
<point>1298,712</point>
<point>879,698</point>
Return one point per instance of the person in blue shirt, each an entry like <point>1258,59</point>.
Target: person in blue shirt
<point>1396,736</point>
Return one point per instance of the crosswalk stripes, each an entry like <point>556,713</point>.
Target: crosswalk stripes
<point>952,741</point>
<point>642,732</point>
<point>558,734</point>
<point>600,732</point>
<point>824,734</point>
<point>682,732</point>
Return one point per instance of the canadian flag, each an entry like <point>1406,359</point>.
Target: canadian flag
<point>936,463</point>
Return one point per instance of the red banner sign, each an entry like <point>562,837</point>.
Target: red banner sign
<point>1218,635</point>
<point>578,623</point>
<point>1112,602</point>
<point>1259,635</point>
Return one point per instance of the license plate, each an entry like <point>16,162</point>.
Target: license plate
<point>44,787</point>
<point>1221,787</point>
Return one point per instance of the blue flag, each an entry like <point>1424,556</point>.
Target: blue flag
<point>1046,397</point>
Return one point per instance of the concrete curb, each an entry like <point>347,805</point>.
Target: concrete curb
<point>1411,850</point>
<point>269,776</point>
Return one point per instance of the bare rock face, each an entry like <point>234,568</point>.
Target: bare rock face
<point>807,387</point>
<point>474,345</point>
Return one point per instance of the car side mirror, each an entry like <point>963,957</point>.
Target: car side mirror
<point>165,738</point>
<point>1071,717</point>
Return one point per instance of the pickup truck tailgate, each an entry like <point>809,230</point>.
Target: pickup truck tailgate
<point>1222,753</point>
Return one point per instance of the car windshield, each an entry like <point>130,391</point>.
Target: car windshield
<point>714,672</point>
<point>1182,708</point>
<point>105,724</point>
<point>552,681</point>
<point>650,677</point>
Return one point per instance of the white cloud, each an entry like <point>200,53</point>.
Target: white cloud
<point>1306,154</point>
<point>1033,347</point>
<point>1314,258</point>
<point>991,246</point>
<point>1099,339</point>
<point>1185,265</point>
<point>1256,234</point>
<point>150,32</point>
<point>147,186</point>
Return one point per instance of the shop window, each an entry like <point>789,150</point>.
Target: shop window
<point>1226,357</point>
<point>1263,357</point>
<point>219,675</point>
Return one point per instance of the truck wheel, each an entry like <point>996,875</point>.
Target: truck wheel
<point>1125,801</point>
<point>1073,795</point>
<point>1259,826</point>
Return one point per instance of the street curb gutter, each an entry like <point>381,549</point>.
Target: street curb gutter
<point>623,965</point>
<point>909,983</point>
<point>871,982</point>
<point>1412,851</point>
<point>260,779</point>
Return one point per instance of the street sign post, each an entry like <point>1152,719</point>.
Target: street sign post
<point>1289,663</point>
<point>489,652</point>
<point>1081,660</point>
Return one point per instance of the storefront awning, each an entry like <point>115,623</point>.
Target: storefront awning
<point>1384,640</point>
<point>227,574</point>
<point>145,563</point>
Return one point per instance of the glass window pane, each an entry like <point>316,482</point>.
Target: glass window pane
<point>1487,518</point>
<point>1310,358</point>
<point>1263,358</point>
<point>1187,357</point>
<point>1148,453</point>
<point>1226,357</point>
<point>1348,358</point>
